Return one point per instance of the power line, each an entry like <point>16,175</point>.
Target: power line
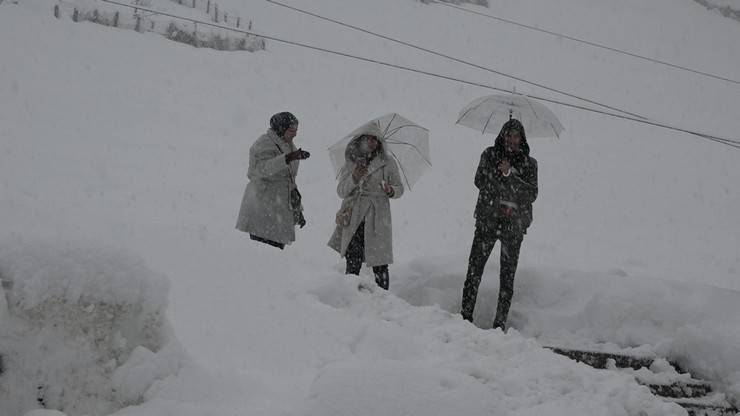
<point>633,117</point>
<point>458,60</point>
<point>717,139</point>
<point>586,42</point>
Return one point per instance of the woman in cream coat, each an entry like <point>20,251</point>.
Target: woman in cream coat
<point>369,179</point>
<point>271,206</point>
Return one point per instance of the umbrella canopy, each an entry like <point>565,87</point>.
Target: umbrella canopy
<point>405,141</point>
<point>488,114</point>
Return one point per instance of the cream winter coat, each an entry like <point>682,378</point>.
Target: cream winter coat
<point>371,204</point>
<point>265,210</point>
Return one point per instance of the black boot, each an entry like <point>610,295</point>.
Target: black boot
<point>382,277</point>
<point>470,293</point>
<point>502,312</point>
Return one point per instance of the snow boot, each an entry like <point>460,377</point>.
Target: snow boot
<point>382,279</point>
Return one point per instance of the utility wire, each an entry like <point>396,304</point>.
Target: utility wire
<point>586,42</point>
<point>717,139</point>
<point>458,60</point>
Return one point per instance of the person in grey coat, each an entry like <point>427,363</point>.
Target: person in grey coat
<point>271,206</point>
<point>507,181</point>
<point>367,182</point>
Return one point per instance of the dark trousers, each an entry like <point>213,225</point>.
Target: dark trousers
<point>485,238</point>
<point>355,256</point>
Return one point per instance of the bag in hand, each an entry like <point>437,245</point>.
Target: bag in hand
<point>295,205</point>
<point>343,216</point>
<point>295,199</point>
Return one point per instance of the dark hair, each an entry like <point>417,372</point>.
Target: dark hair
<point>282,121</point>
<point>499,146</point>
<point>355,154</point>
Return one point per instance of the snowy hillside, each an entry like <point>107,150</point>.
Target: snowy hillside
<point>123,160</point>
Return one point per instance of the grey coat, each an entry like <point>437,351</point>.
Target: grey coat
<point>371,204</point>
<point>265,210</point>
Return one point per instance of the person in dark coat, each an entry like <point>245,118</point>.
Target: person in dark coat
<point>507,183</point>
<point>271,206</point>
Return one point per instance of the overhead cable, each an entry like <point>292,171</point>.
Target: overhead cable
<point>458,60</point>
<point>586,42</point>
<point>717,139</point>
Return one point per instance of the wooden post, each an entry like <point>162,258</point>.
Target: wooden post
<point>152,25</point>
<point>75,15</point>
<point>96,16</point>
<point>208,7</point>
<point>215,9</point>
<point>195,35</point>
<point>238,22</point>
<point>115,20</point>
<point>250,25</point>
<point>226,17</point>
<point>193,3</point>
<point>56,11</point>
<point>138,24</point>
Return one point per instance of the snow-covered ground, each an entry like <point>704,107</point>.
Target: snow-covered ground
<point>123,160</point>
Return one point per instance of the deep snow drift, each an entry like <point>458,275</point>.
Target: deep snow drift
<point>80,329</point>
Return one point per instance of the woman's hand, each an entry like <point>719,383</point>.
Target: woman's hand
<point>358,173</point>
<point>387,189</point>
<point>299,154</point>
<point>504,167</point>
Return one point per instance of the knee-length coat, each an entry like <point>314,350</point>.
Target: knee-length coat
<point>369,204</point>
<point>265,210</point>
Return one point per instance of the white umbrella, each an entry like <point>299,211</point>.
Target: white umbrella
<point>488,114</point>
<point>404,140</point>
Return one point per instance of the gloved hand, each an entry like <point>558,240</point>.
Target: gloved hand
<point>387,189</point>
<point>301,220</point>
<point>299,154</point>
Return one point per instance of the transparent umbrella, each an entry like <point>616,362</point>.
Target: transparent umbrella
<point>488,114</point>
<point>405,141</point>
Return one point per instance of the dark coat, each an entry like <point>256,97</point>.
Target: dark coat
<point>520,187</point>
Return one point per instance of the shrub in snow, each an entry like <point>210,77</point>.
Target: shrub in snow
<point>727,8</point>
<point>82,329</point>
<point>179,30</point>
